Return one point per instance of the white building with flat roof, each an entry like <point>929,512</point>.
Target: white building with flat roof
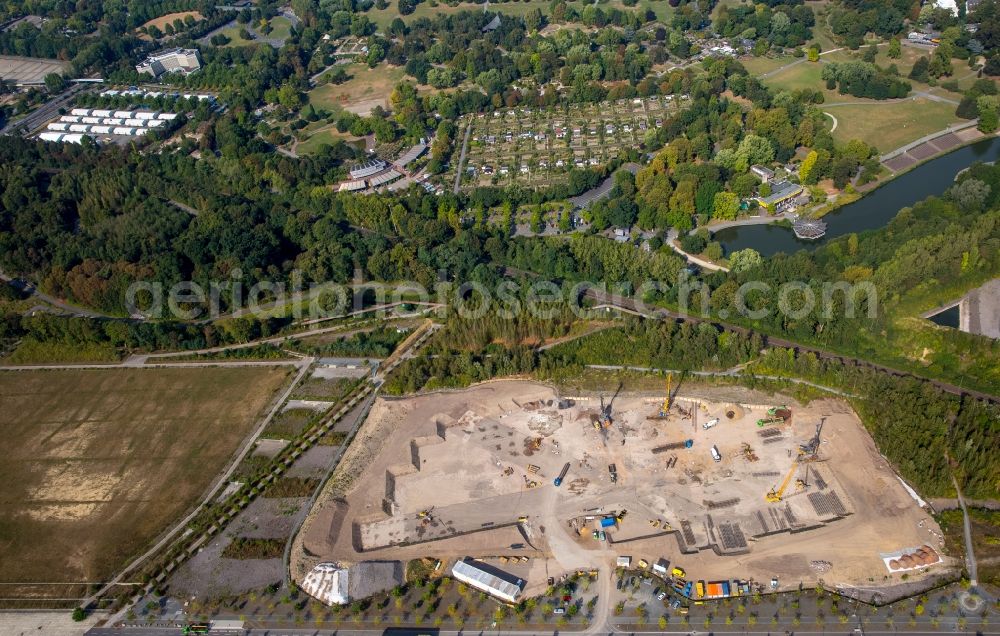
<point>171,61</point>
<point>489,579</point>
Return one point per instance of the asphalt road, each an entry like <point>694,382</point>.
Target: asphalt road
<point>45,112</point>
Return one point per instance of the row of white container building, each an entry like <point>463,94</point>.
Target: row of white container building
<point>63,137</point>
<point>143,93</point>
<point>120,114</point>
<point>125,131</point>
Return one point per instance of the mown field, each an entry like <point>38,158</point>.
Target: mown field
<point>101,461</point>
<point>367,88</point>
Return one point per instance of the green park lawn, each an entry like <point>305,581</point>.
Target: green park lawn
<point>890,125</point>
<point>325,136</point>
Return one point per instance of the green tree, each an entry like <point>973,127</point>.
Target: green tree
<point>725,206</point>
<point>895,50</point>
<point>742,260</point>
<point>806,169</point>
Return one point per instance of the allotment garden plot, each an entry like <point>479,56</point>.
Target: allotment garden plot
<point>538,147</point>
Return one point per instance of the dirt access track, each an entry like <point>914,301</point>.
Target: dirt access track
<point>471,473</point>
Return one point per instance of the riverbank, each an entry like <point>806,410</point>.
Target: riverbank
<point>877,204</point>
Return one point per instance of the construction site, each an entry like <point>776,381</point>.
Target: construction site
<point>540,484</point>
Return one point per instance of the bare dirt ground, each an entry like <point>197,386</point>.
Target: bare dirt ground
<point>450,474</point>
<point>99,461</point>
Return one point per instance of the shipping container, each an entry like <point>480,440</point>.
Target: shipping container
<point>700,588</point>
<point>607,522</point>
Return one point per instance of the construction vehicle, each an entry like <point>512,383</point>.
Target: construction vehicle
<point>678,572</point>
<point>810,450</point>
<point>605,418</point>
<point>522,519</point>
<point>748,453</point>
<point>767,421</point>
<point>774,409</point>
<point>710,423</point>
<point>196,628</point>
<point>665,408</point>
<point>613,471</point>
<point>621,515</point>
<point>775,494</point>
<point>562,475</point>
<point>533,469</point>
<point>715,454</point>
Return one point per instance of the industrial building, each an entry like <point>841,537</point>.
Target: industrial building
<point>184,61</point>
<point>488,579</point>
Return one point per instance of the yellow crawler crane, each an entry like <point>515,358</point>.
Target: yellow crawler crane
<point>665,409</point>
<point>774,495</point>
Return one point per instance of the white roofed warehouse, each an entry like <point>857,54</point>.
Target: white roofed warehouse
<point>488,579</point>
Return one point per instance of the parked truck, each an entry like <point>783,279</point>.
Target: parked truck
<point>700,588</point>
<point>562,475</point>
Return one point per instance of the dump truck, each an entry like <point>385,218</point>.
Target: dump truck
<point>562,475</point>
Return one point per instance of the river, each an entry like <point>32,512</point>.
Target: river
<point>872,211</point>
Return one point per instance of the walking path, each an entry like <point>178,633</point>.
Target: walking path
<point>970,557</point>
<point>461,157</point>
<point>697,260</point>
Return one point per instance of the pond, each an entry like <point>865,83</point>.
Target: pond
<point>873,211</point>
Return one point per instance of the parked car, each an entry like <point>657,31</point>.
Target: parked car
<point>662,595</point>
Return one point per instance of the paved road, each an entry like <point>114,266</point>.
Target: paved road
<point>735,629</point>
<point>43,113</point>
<point>25,286</point>
<point>697,260</point>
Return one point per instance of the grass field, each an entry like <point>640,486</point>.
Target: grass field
<point>101,461</point>
<point>890,125</point>
<point>281,28</point>
<point>233,33</point>
<point>326,136</point>
<point>367,88</point>
<point>164,20</point>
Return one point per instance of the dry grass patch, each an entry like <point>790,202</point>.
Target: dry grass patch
<point>100,461</point>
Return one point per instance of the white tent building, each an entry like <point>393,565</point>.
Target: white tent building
<point>488,579</point>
